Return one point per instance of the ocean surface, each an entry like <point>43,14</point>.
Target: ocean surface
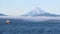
<point>19,26</point>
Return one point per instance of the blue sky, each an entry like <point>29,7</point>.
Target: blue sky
<point>19,7</point>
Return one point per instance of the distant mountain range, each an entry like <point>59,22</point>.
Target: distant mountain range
<point>39,12</point>
<point>2,14</point>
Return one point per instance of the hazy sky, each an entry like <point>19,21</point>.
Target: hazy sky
<point>18,7</point>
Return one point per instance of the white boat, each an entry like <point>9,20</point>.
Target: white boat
<point>8,21</point>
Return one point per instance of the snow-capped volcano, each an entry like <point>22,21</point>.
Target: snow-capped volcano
<point>39,12</point>
<point>36,12</point>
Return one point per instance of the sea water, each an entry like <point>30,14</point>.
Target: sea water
<point>19,26</point>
